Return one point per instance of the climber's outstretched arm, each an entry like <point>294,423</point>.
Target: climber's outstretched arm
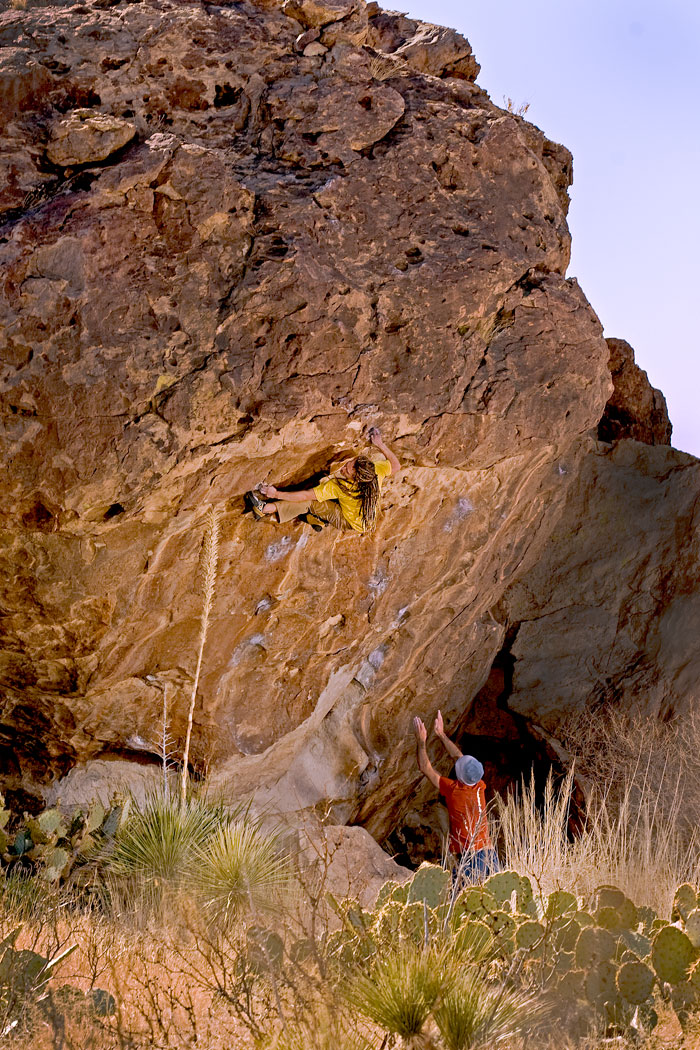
<point>375,436</point>
<point>452,749</point>
<point>303,496</point>
<point>424,763</point>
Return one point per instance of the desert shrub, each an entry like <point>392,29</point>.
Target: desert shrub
<point>401,988</point>
<point>477,1014</point>
<point>241,869</point>
<point>159,840</point>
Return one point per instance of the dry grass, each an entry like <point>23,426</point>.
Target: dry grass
<point>634,842</point>
<point>512,107</point>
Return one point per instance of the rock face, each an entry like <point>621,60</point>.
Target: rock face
<point>617,601</point>
<point>636,409</point>
<point>299,241</point>
<point>84,137</point>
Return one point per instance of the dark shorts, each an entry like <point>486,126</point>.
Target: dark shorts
<point>474,866</point>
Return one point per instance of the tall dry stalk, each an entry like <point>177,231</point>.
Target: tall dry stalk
<point>209,566</point>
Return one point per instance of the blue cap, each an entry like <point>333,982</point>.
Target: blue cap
<point>468,770</point>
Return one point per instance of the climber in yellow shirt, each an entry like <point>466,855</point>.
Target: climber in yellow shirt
<point>348,500</point>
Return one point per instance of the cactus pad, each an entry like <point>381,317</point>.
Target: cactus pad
<point>503,885</point>
<point>594,946</point>
<point>571,985</point>
<point>565,933</point>
<point>56,861</point>
<point>392,891</point>
<point>95,816</point>
<point>559,902</point>
<point>479,902</point>
<point>685,901</point>
<point>600,983</point>
<point>635,982</point>
<point>636,942</point>
<point>685,1001</point>
<point>609,897</point>
<point>528,934</point>
<point>429,884</point>
<point>692,927</point>
<point>564,962</point>
<point>671,954</point>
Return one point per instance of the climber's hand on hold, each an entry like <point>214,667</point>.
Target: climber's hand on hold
<point>375,437</point>
<point>268,491</point>
<point>420,730</point>
<point>439,725</point>
<point>422,755</point>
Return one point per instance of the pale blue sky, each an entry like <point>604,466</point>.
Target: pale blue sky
<point>618,82</point>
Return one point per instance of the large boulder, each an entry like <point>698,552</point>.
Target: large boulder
<point>293,246</point>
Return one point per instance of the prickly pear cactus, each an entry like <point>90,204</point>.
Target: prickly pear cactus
<point>635,982</point>
<point>429,884</point>
<point>559,903</point>
<point>692,927</point>
<point>529,933</point>
<point>503,885</point>
<point>594,946</point>
<point>601,984</point>
<point>393,891</point>
<point>54,845</point>
<point>685,901</point>
<point>672,954</point>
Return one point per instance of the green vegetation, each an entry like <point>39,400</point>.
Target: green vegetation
<point>245,946</point>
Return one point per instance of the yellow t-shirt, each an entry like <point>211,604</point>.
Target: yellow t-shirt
<point>347,497</point>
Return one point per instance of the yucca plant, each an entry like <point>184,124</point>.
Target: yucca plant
<point>242,870</point>
<point>402,988</point>
<point>475,1015</point>
<point>159,840</point>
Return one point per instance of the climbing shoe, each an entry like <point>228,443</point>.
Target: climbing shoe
<point>317,524</point>
<point>255,504</point>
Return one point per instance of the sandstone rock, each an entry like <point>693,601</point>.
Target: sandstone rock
<point>613,608</point>
<point>636,409</point>
<point>315,50</point>
<point>349,863</point>
<point>293,250</point>
<point>428,49</point>
<point>318,12</point>
<point>99,780</point>
<point>326,122</point>
<point>84,137</point>
<point>306,38</point>
<point>440,52</point>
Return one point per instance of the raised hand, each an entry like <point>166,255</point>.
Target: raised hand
<point>439,725</point>
<point>420,730</point>
<point>375,436</point>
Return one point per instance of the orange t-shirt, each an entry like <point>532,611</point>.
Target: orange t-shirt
<point>466,807</point>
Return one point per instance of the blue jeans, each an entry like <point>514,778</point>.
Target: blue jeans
<point>475,866</point>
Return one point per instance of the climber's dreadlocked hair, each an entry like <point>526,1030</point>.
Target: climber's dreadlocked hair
<point>366,483</point>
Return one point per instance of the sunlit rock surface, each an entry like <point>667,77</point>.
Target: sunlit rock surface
<point>284,223</point>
